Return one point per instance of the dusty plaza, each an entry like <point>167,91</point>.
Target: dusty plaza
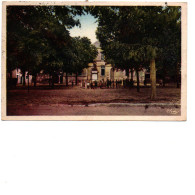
<point>94,61</point>
<point>78,101</point>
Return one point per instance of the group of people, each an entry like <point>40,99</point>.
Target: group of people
<point>104,84</point>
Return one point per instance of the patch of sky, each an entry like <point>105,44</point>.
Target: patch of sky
<point>87,29</point>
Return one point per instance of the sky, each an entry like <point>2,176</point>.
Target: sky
<point>88,27</point>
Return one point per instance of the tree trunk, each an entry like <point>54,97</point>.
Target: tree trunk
<point>35,80</point>
<point>138,88</point>
<point>164,81</point>
<point>177,76</point>
<point>131,80</point>
<point>153,79</point>
<point>52,81</point>
<point>164,74</point>
<point>131,74</point>
<point>76,78</point>
<point>10,74</point>
<point>24,82</point>
<point>66,79</point>
<point>127,73</point>
<point>178,83</point>
<point>28,81</point>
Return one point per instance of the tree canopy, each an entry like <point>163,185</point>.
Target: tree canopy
<point>38,38</point>
<point>131,37</point>
<point>137,36</point>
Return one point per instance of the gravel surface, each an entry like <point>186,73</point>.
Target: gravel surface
<point>78,101</point>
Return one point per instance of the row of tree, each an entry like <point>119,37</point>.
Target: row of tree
<point>136,37</point>
<point>38,39</point>
<point>132,37</point>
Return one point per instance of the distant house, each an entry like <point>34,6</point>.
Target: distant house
<point>17,74</point>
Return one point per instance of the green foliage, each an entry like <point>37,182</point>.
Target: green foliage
<point>170,43</point>
<point>131,36</point>
<point>38,37</point>
<point>83,52</point>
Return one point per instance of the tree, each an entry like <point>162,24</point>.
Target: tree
<point>37,35</point>
<point>83,52</point>
<point>170,43</point>
<point>121,41</point>
<point>136,34</point>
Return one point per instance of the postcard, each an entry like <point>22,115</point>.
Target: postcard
<point>94,61</point>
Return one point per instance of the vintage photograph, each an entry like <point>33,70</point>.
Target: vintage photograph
<point>92,61</point>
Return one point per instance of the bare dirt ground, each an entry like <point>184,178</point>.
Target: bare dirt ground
<point>77,101</point>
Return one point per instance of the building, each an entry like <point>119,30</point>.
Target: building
<point>17,74</point>
<point>99,70</point>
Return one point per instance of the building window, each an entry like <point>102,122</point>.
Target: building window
<point>102,70</point>
<point>102,56</point>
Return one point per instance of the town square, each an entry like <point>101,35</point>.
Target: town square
<point>93,60</point>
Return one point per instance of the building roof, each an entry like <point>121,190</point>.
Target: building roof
<point>97,44</point>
